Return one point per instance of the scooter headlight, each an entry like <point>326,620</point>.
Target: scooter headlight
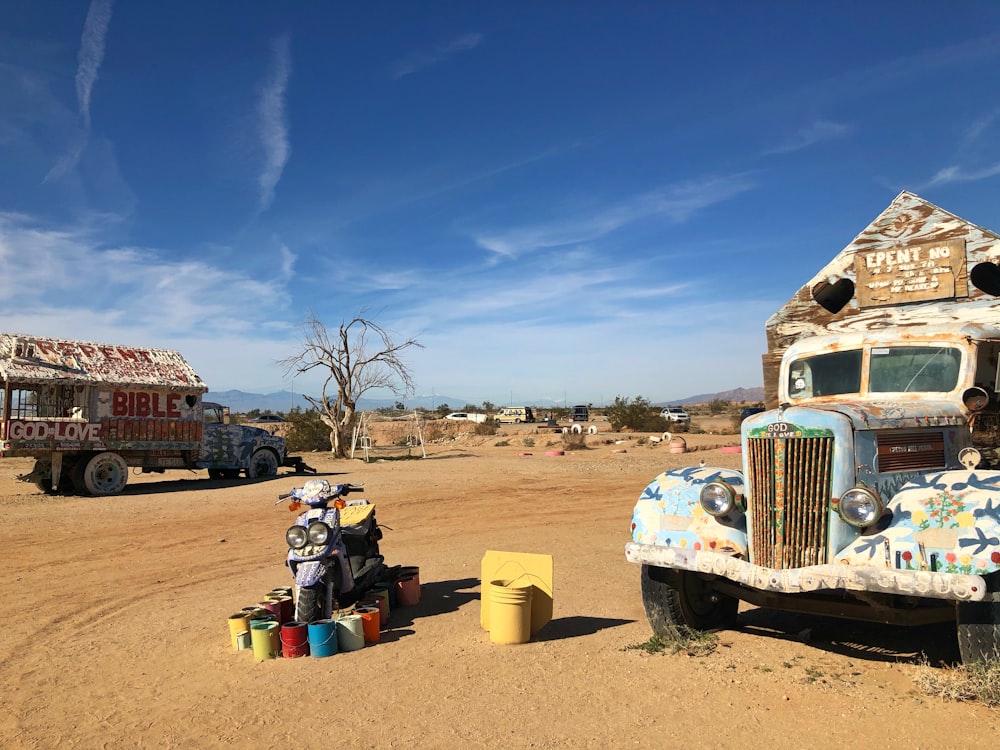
<point>296,536</point>
<point>860,507</point>
<point>718,499</point>
<point>319,533</point>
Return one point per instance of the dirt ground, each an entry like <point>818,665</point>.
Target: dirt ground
<point>116,634</point>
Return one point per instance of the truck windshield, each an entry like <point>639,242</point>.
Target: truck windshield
<point>903,369</point>
<point>895,369</point>
<point>825,374</point>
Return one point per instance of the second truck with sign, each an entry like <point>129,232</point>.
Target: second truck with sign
<point>870,488</point>
<point>87,412</point>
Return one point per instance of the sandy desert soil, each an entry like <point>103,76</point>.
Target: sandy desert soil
<point>115,628</point>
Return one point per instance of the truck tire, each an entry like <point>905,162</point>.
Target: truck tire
<point>674,598</point>
<point>263,463</point>
<point>105,474</point>
<point>978,626</point>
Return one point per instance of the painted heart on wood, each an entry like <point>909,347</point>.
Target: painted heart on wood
<point>986,276</point>
<point>833,297</point>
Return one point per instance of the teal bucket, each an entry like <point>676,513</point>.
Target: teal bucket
<point>323,638</point>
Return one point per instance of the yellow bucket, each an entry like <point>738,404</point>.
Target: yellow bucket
<point>265,639</point>
<point>510,611</point>
<point>238,623</point>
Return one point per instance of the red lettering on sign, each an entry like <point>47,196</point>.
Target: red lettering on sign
<point>119,404</point>
<point>143,404</point>
<point>128,354</point>
<point>45,347</point>
<point>88,351</point>
<point>108,351</point>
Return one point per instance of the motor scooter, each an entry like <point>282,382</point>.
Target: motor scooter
<point>333,548</point>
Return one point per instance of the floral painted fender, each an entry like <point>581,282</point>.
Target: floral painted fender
<point>669,513</point>
<point>947,522</point>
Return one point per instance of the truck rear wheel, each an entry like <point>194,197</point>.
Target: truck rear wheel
<point>263,463</point>
<point>105,474</point>
<point>674,598</point>
<point>978,625</point>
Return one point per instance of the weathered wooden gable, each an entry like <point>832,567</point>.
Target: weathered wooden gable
<point>915,264</point>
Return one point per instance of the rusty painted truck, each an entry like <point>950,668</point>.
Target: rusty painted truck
<point>86,412</point>
<point>870,488</point>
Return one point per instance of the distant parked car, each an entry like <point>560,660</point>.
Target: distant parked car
<point>267,418</point>
<point>463,415</point>
<point>750,411</point>
<point>579,414</point>
<point>675,414</point>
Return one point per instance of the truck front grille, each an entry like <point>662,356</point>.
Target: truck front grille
<point>789,499</point>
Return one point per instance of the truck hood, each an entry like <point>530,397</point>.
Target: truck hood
<point>873,415</point>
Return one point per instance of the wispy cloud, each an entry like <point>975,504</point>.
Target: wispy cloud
<point>131,287</point>
<point>815,132</point>
<point>979,126</point>
<point>89,59</point>
<point>421,60</point>
<point>273,119</point>
<point>957,174</point>
<point>677,203</point>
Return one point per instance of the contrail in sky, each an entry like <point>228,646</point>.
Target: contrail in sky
<point>273,124</point>
<point>89,59</point>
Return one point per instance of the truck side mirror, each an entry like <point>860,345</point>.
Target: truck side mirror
<point>976,399</point>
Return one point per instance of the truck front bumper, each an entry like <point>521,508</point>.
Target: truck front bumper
<point>922,583</point>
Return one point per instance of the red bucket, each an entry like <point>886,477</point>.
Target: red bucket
<point>294,639</point>
<point>407,591</point>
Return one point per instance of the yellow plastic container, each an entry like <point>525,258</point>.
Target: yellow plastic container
<point>510,611</point>
<point>265,639</point>
<point>238,623</point>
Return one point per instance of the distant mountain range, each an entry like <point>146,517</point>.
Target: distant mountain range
<point>240,402</point>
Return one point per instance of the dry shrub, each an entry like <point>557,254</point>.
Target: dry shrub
<point>976,682</point>
<point>573,441</point>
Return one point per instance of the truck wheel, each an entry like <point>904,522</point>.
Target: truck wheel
<point>263,463</point>
<point>309,603</point>
<point>979,630</point>
<point>105,474</point>
<point>673,598</point>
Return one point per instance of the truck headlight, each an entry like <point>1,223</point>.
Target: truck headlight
<point>296,537</point>
<point>318,533</point>
<point>860,507</point>
<point>718,499</point>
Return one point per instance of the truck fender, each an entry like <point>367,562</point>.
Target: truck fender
<point>947,521</point>
<point>668,512</point>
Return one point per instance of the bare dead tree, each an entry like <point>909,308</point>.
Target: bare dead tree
<point>358,356</point>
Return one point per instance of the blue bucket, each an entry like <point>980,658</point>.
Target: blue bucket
<point>323,638</point>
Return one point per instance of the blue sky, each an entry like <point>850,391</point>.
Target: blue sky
<point>559,200</point>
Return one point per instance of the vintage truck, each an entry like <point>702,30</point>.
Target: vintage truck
<point>870,488</point>
<point>87,411</point>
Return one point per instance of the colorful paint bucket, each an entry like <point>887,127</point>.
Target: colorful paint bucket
<point>274,607</point>
<point>409,571</point>
<point>407,591</point>
<point>369,623</point>
<point>243,641</point>
<point>238,623</point>
<point>322,638</point>
<point>264,637</point>
<point>382,605</point>
<point>350,633</point>
<point>294,639</point>
<point>510,611</point>
<point>382,593</point>
<point>286,607</point>
<point>279,591</point>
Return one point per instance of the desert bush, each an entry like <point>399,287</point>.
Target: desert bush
<point>574,441</point>
<point>529,442</point>
<point>976,682</point>
<point>679,639</point>
<point>638,414</point>
<point>485,428</point>
<point>501,443</point>
<point>307,433</point>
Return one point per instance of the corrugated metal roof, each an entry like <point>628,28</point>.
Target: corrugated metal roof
<point>34,359</point>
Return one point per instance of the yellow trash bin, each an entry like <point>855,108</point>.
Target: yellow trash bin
<point>510,611</point>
